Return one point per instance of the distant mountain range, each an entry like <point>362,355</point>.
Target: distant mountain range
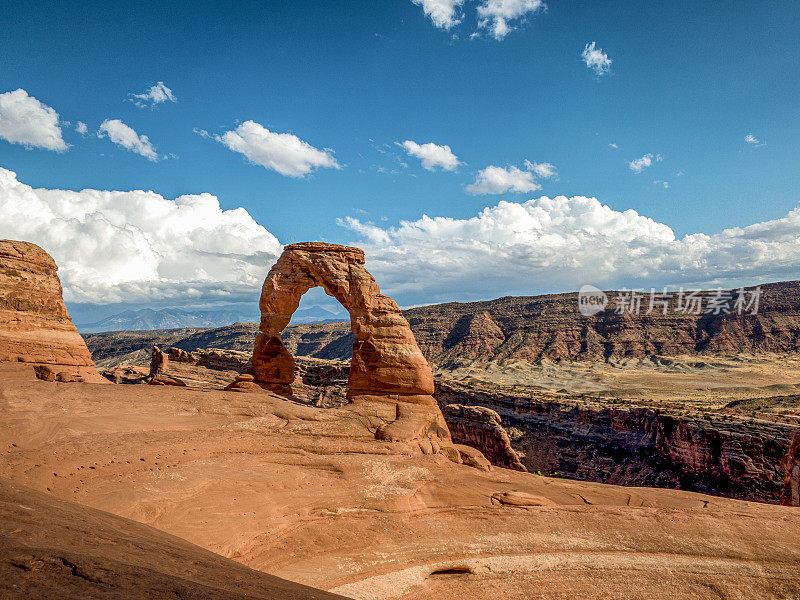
<point>148,319</point>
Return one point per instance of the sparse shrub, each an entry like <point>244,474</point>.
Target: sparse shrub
<point>514,433</point>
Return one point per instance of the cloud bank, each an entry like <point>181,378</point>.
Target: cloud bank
<point>137,246</point>
<point>26,121</point>
<point>125,137</point>
<point>558,244</point>
<point>282,152</point>
<point>432,155</point>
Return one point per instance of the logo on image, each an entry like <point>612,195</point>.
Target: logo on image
<point>591,300</point>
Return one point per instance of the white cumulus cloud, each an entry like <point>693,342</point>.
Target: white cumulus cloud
<point>495,15</point>
<point>25,120</point>
<point>443,13</point>
<point>137,246</point>
<point>125,137</point>
<point>501,180</point>
<point>558,244</point>
<point>81,128</point>
<point>637,165</point>
<point>282,152</point>
<point>432,155</point>
<point>596,59</point>
<point>153,96</point>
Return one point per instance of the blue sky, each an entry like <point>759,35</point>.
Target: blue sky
<point>687,82</point>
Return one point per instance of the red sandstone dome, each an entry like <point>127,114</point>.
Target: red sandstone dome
<point>35,326</point>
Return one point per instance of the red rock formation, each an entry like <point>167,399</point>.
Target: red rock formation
<point>386,360</point>
<point>481,428</point>
<point>159,367</point>
<point>35,326</point>
<point>791,468</point>
<point>159,362</point>
<point>386,366</point>
<point>182,356</point>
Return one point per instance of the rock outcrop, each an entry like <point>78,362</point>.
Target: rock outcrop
<point>159,368</point>
<point>481,428</point>
<point>791,469</point>
<point>386,366</point>
<point>386,361</point>
<point>181,356</point>
<point>159,362</point>
<point>35,326</point>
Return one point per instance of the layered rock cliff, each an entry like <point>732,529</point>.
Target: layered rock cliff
<point>35,326</point>
<point>642,446</point>
<point>532,328</point>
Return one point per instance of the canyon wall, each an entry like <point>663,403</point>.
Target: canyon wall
<point>642,446</point>
<point>481,428</point>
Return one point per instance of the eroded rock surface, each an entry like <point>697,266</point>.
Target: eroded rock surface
<point>481,428</point>
<point>386,358</point>
<point>35,326</point>
<point>51,548</point>
<point>386,365</point>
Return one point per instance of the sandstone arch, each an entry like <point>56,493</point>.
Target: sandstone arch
<point>387,363</point>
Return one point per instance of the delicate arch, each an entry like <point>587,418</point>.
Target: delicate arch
<point>386,359</point>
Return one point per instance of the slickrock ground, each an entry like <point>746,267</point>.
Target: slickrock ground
<point>713,427</point>
<point>35,326</point>
<point>50,548</point>
<point>310,495</point>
